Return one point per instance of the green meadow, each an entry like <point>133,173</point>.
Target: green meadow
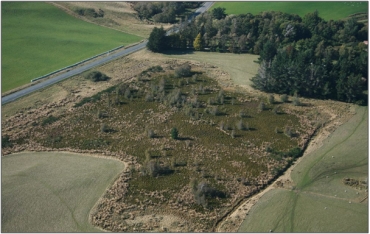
<point>52,192</point>
<point>38,38</point>
<point>327,10</point>
<point>320,201</point>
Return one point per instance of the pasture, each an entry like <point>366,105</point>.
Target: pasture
<point>320,201</point>
<point>53,192</point>
<point>327,10</point>
<point>38,38</point>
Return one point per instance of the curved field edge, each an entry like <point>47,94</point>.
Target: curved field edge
<point>320,202</point>
<point>325,9</point>
<point>38,38</point>
<point>53,191</point>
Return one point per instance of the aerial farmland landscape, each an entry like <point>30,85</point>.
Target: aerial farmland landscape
<point>184,117</point>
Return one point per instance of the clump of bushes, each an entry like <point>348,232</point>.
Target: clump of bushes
<point>49,120</point>
<point>203,190</point>
<point>89,12</point>
<point>183,71</point>
<point>5,141</point>
<point>174,133</point>
<point>96,76</point>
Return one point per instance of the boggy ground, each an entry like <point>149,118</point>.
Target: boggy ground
<point>236,166</point>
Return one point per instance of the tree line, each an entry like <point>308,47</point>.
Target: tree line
<point>163,12</point>
<point>307,56</point>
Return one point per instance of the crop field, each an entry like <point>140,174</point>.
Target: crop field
<point>327,10</point>
<point>38,38</point>
<point>330,192</point>
<point>52,192</point>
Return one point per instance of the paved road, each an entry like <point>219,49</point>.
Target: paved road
<point>200,10</point>
<point>73,72</point>
<point>47,82</point>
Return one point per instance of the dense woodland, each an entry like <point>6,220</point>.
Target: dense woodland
<point>163,12</point>
<point>306,56</point>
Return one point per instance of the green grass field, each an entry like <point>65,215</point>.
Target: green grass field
<point>327,10</point>
<point>52,192</point>
<point>240,66</point>
<point>321,202</point>
<point>38,38</point>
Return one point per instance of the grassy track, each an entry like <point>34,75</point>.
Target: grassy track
<point>38,38</point>
<point>327,10</point>
<point>320,201</point>
<point>52,192</point>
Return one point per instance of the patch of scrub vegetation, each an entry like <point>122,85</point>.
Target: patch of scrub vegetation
<point>39,38</point>
<point>52,192</point>
<point>224,148</point>
<point>320,193</point>
<point>342,9</point>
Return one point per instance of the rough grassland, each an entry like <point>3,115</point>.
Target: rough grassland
<point>327,10</point>
<point>320,201</point>
<point>52,192</point>
<point>38,38</point>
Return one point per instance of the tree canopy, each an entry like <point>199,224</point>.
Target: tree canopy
<point>156,42</point>
<point>308,56</point>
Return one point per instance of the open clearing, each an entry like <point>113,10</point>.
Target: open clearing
<point>325,9</point>
<point>240,68</point>
<point>38,38</point>
<point>53,192</point>
<point>318,200</point>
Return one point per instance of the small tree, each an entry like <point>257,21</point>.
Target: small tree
<point>198,45</point>
<point>261,106</point>
<point>296,101</point>
<point>104,128</point>
<point>284,98</point>
<point>218,13</point>
<point>288,131</point>
<point>150,133</point>
<point>156,42</point>
<point>174,133</point>
<point>183,71</point>
<point>271,99</point>
<point>240,125</point>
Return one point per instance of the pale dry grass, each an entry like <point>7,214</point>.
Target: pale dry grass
<point>117,15</point>
<point>55,191</point>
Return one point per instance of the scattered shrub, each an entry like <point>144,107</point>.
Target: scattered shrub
<point>174,133</point>
<point>5,142</point>
<point>96,76</point>
<point>284,98</point>
<point>183,71</point>
<point>271,99</point>
<point>240,125</point>
<point>49,120</point>
<point>261,106</point>
<point>90,12</point>
<point>288,131</point>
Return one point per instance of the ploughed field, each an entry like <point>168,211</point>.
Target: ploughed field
<point>38,38</point>
<point>329,190</point>
<point>227,147</point>
<point>327,10</point>
<point>53,192</point>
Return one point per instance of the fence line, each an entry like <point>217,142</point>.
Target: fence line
<point>41,77</point>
